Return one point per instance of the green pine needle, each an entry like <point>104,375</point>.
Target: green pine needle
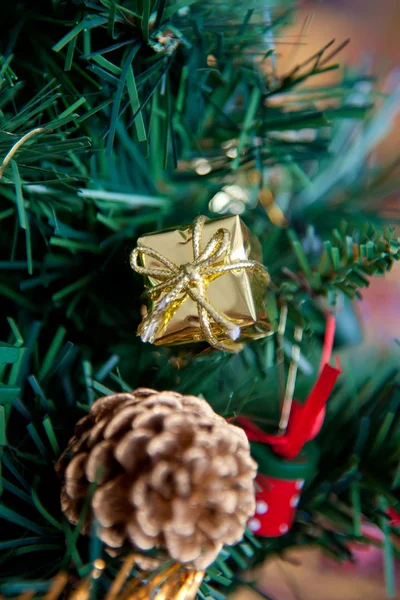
<point>128,117</point>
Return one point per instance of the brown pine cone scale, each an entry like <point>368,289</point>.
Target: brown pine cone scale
<point>169,473</point>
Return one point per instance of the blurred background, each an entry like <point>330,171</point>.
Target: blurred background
<point>372,27</point>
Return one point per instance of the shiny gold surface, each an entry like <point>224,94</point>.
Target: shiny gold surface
<point>173,583</point>
<point>176,583</point>
<point>238,295</point>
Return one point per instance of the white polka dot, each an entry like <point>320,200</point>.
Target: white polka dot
<point>283,528</point>
<point>299,484</point>
<point>261,507</point>
<point>294,500</point>
<point>254,524</point>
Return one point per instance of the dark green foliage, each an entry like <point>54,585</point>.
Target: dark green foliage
<point>114,104</point>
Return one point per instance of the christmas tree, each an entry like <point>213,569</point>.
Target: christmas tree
<point>121,119</point>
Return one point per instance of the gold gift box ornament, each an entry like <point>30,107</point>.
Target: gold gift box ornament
<point>204,283</point>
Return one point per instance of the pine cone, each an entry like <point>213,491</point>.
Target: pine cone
<point>170,474</point>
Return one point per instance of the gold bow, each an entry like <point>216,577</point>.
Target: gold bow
<point>191,279</point>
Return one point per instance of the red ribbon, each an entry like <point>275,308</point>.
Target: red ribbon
<point>305,420</point>
<point>329,338</point>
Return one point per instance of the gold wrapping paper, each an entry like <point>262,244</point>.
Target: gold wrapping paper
<point>232,284</point>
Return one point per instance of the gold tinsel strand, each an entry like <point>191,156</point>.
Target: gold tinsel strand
<point>174,583</point>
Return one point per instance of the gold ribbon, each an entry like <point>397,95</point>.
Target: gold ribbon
<point>191,279</point>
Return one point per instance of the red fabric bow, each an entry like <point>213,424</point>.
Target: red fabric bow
<point>277,498</point>
<point>305,419</point>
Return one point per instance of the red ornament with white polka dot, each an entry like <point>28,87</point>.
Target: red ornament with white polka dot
<point>286,462</point>
<point>279,484</point>
<point>272,518</point>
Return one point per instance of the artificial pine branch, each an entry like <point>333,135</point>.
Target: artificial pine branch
<point>124,100</point>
